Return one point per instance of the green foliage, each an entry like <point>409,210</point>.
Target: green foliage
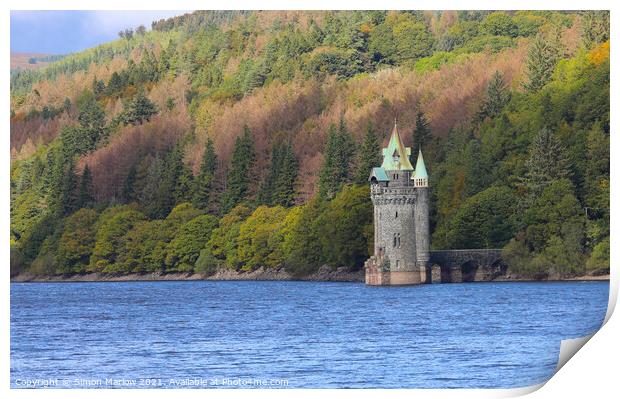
<point>223,242</point>
<point>369,155</point>
<point>113,225</point>
<point>499,24</point>
<point>240,170</point>
<point>547,162</point>
<point>402,38</point>
<point>260,238</point>
<point>302,241</point>
<point>595,27</point>
<point>184,249</point>
<point>496,98</point>
<point>485,220</point>
<point>421,135</point>
<point>599,259</point>
<point>85,194</point>
<point>279,185</point>
<point>338,156</point>
<point>140,109</point>
<point>345,243</point>
<point>77,242</point>
<point>204,184</point>
<point>543,55</point>
<point>145,246</point>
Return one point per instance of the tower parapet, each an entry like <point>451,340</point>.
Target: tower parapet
<point>400,199</point>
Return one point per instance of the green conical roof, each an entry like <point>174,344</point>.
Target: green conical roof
<point>420,168</point>
<point>396,155</point>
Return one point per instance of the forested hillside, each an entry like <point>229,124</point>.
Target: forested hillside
<point>244,139</point>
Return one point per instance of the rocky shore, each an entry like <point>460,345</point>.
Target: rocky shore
<point>325,273</point>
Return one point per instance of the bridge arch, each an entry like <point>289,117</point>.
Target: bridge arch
<point>466,265</point>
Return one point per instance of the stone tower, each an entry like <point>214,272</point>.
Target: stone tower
<point>400,198</point>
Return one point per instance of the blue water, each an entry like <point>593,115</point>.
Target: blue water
<point>295,334</point>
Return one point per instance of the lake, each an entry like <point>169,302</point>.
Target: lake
<point>273,334</point>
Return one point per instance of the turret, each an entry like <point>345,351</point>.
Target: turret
<point>420,182</point>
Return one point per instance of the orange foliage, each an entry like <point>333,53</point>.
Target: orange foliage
<point>110,164</point>
<point>599,54</point>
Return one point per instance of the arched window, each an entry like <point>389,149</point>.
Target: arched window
<point>394,240</point>
<point>398,240</point>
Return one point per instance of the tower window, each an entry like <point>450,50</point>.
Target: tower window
<point>394,240</point>
<point>396,215</point>
<point>398,238</point>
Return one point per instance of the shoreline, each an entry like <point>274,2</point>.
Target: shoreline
<point>325,274</point>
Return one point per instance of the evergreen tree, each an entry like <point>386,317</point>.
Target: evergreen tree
<point>153,198</point>
<point>115,84</point>
<point>421,135</point>
<point>92,120</point>
<point>239,174</point>
<point>369,155</point>
<point>547,163</point>
<point>542,57</point>
<point>128,193</point>
<point>594,27</point>
<point>338,155</point>
<point>204,184</point>
<point>177,181</point>
<point>98,87</point>
<point>497,96</point>
<point>65,195</point>
<point>279,185</point>
<point>284,189</point>
<point>85,196</point>
<point>138,110</point>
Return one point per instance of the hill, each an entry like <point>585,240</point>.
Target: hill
<point>258,125</point>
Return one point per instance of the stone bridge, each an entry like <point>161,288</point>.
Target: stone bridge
<point>465,265</point>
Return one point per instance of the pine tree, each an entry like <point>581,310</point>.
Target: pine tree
<point>66,195</point>
<point>153,198</point>
<point>86,197</point>
<point>338,155</point>
<point>92,120</point>
<point>129,193</point>
<point>98,87</point>
<point>542,57</point>
<point>284,190</point>
<point>204,184</point>
<point>547,163</point>
<point>421,135</point>
<point>138,110</point>
<point>369,155</point>
<point>279,185</point>
<point>497,96</point>
<point>239,173</point>
<point>177,178</point>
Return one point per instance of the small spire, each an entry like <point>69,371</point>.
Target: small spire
<point>420,168</point>
<point>396,155</point>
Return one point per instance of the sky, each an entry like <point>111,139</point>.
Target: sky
<point>63,32</point>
